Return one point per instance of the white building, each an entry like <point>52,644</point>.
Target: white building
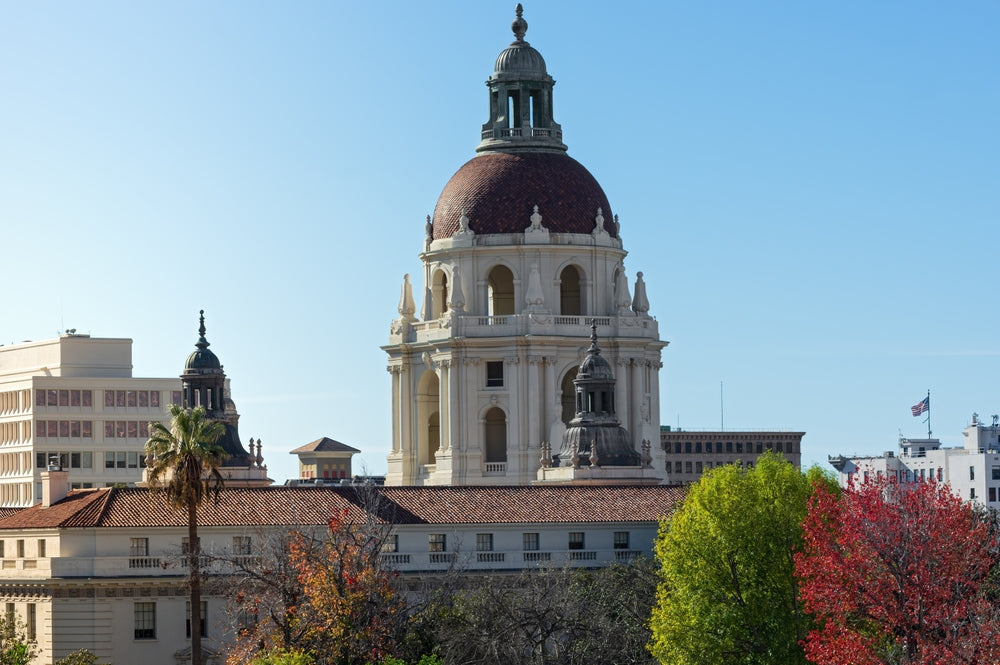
<point>74,398</point>
<point>973,471</point>
<point>522,255</point>
<point>101,569</point>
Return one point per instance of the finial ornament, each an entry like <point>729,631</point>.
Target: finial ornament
<point>202,343</point>
<point>519,26</point>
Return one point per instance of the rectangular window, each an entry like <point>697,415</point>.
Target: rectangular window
<point>2,548</point>
<point>143,399</point>
<point>621,540</point>
<point>484,542</point>
<point>133,460</point>
<point>120,459</point>
<point>52,428</point>
<point>74,429</point>
<point>74,398</point>
<point>729,446</point>
<point>175,397</point>
<point>32,621</point>
<point>120,398</point>
<point>145,621</point>
<point>143,429</point>
<point>972,492</point>
<point>530,542</point>
<point>186,545</point>
<point>739,446</point>
<point>87,428</point>
<point>109,460</point>
<point>64,429</point>
<point>109,399</point>
<point>203,622</point>
<point>993,494</point>
<point>241,545</point>
<point>436,542</point>
<point>130,398</point>
<point>41,461</point>
<point>138,546</point>
<point>972,473</point>
<point>120,428</point>
<point>154,398</point>
<point>687,446</point>
<point>87,398</point>
<point>41,548</point>
<point>697,467</point>
<point>494,374</point>
<point>87,460</point>
<point>687,467</point>
<point>697,446</point>
<point>668,467</point>
<point>576,540</point>
<point>133,429</point>
<point>40,429</point>
<point>39,397</point>
<point>20,549</point>
<point>391,543</point>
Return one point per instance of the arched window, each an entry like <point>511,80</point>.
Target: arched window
<point>429,435</point>
<point>570,299</point>
<point>439,293</point>
<point>568,391</point>
<point>496,435</point>
<point>501,291</point>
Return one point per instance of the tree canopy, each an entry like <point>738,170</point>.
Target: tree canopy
<point>728,593</point>
<point>898,573</point>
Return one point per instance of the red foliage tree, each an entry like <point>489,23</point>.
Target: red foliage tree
<point>895,573</point>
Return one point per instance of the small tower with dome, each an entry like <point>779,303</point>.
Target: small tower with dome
<point>521,257</point>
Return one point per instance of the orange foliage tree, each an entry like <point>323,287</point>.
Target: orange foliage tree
<point>896,573</point>
<point>329,598</point>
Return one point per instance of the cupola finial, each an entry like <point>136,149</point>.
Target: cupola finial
<point>202,342</point>
<point>519,26</point>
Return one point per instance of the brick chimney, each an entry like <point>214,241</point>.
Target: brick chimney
<point>55,483</point>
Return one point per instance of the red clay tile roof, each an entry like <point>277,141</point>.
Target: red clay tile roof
<point>291,506</point>
<point>498,192</point>
<point>325,445</point>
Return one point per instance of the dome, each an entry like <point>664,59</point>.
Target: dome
<point>202,359</point>
<point>522,61</point>
<point>498,192</point>
<point>595,367</point>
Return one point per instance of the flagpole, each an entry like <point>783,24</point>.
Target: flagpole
<point>928,413</point>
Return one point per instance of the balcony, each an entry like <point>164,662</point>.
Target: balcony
<point>474,325</point>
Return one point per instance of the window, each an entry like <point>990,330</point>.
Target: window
<point>729,446</point>
<point>687,446</point>
<point>41,548</point>
<point>739,446</point>
<point>138,546</point>
<point>145,621</point>
<point>697,446</point>
<point>10,612</point>
<point>391,543</point>
<point>494,374</point>
<point>32,621</point>
<point>2,548</point>
<point>668,467</point>
<point>186,545</point>
<point>993,494</point>
<point>484,542</point>
<point>203,622</point>
<point>687,467</point>
<point>972,492</point>
<point>20,549</point>
<point>996,473</point>
<point>677,447</point>
<point>241,545</point>
<point>697,467</point>
<point>972,473</point>
<point>576,540</point>
<point>436,542</point>
<point>175,397</point>
<point>621,540</point>
<point>530,542</point>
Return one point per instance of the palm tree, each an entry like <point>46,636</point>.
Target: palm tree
<point>183,465</point>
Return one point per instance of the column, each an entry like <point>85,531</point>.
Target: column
<point>635,399</point>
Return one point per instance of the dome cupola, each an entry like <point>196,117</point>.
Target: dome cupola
<point>202,360</point>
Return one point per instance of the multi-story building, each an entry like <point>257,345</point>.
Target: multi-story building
<point>972,471</point>
<point>522,256</point>
<point>690,453</point>
<point>74,399</point>
<point>102,569</point>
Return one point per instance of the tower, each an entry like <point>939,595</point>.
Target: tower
<point>203,383</point>
<point>522,256</point>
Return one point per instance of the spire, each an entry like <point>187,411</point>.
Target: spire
<point>202,343</point>
<point>520,93</point>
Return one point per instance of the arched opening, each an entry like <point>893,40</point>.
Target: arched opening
<point>501,291</point>
<point>568,394</point>
<point>428,409</point>
<point>496,435</point>
<point>439,293</point>
<point>570,300</point>
<point>433,437</point>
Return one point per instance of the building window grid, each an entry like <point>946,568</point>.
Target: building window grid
<point>145,621</point>
<point>138,546</point>
<point>529,542</point>
<point>621,540</point>
<point>242,545</point>
<point>203,622</point>
<point>437,542</point>
<point>484,542</point>
<point>576,540</point>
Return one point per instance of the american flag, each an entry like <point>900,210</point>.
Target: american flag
<point>921,406</point>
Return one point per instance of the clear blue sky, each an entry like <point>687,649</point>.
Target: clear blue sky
<point>811,189</point>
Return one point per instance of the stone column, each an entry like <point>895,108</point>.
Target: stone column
<point>549,415</point>
<point>635,399</point>
<point>394,373</point>
<point>622,401</point>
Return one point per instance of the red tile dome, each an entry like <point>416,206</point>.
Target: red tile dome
<point>498,192</point>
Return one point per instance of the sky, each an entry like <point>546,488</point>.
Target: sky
<point>812,191</point>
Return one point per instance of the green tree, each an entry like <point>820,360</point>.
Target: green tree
<point>81,657</point>
<point>185,471</point>
<point>727,591</point>
<point>15,647</point>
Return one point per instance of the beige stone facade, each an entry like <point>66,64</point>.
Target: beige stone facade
<point>690,454</point>
<point>74,398</point>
